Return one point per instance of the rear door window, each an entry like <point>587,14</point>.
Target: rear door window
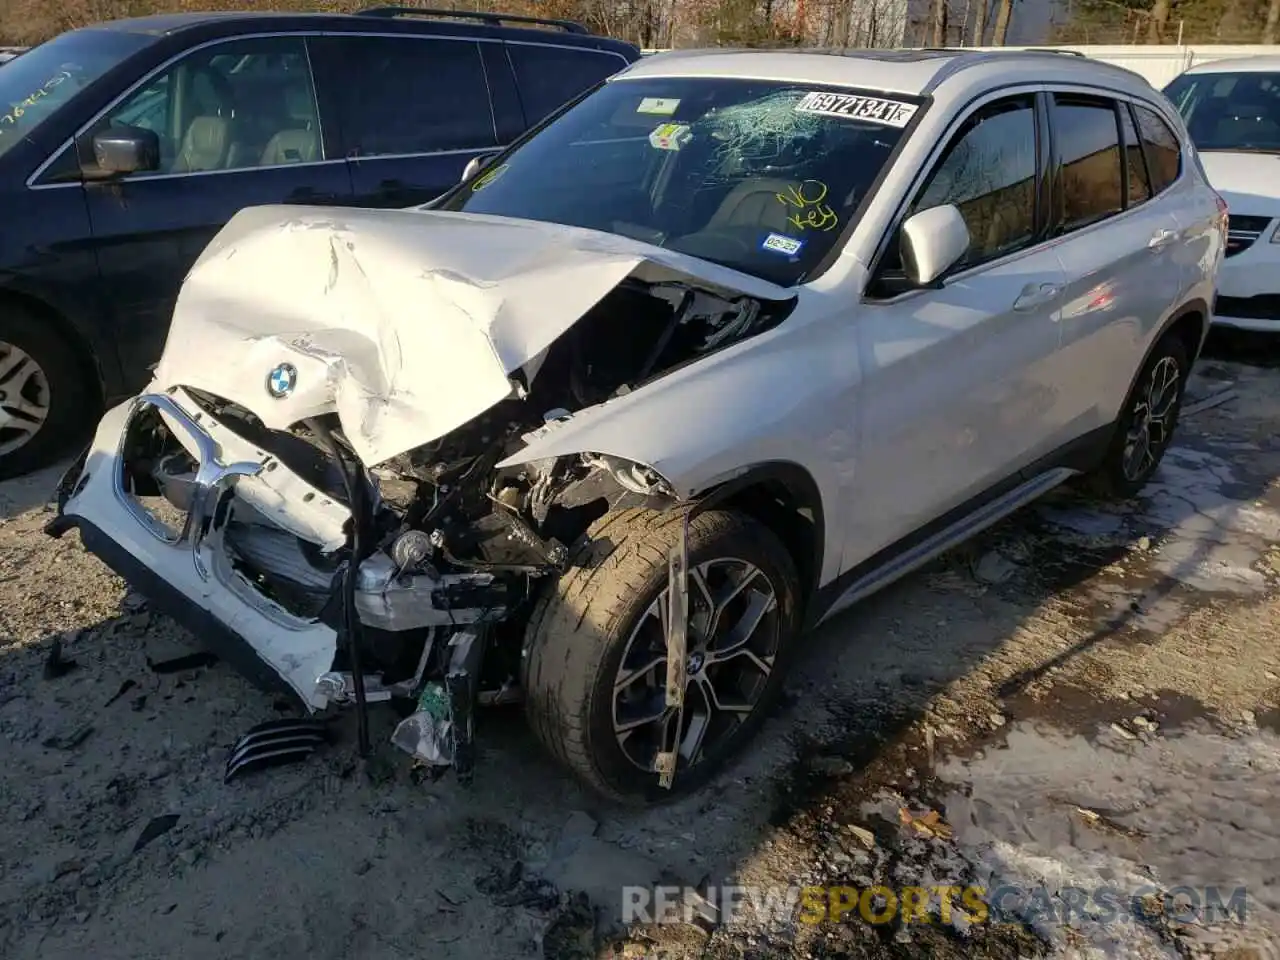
<point>403,96</point>
<point>548,77</point>
<point>1088,141</point>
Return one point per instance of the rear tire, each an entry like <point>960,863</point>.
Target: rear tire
<point>45,402</point>
<point>1146,424</point>
<point>595,653</point>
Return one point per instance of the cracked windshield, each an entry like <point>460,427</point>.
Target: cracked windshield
<point>33,85</point>
<point>759,176</point>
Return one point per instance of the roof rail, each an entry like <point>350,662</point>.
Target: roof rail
<point>1070,53</point>
<point>1073,53</point>
<point>492,19</point>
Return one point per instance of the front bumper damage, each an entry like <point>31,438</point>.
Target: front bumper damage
<point>329,481</point>
<point>186,552</point>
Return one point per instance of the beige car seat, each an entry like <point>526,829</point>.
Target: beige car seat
<point>755,204</point>
<point>291,146</point>
<point>204,145</point>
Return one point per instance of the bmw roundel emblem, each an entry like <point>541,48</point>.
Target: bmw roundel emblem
<point>281,380</point>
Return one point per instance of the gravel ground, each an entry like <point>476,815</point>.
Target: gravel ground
<point>1087,696</point>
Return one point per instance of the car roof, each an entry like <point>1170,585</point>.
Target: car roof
<point>913,71</point>
<point>1259,64</point>
<point>460,23</point>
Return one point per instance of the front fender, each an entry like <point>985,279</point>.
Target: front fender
<point>770,399</point>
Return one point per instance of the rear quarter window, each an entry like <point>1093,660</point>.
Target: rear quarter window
<point>548,77</point>
<point>1164,155</point>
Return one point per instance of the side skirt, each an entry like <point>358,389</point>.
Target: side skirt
<point>959,525</point>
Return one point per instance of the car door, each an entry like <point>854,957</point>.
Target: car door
<point>954,388</point>
<point>238,126</point>
<point>414,110</point>
<point>1119,249</point>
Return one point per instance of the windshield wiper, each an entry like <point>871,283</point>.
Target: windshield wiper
<point>1271,150</point>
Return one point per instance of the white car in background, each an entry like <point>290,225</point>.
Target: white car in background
<point>1232,111</point>
<point>729,344</point>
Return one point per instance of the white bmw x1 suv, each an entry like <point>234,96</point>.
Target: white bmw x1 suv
<point>722,347</point>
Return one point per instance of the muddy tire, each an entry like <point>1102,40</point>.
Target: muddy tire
<point>45,400</point>
<point>594,665</point>
<point>1146,424</point>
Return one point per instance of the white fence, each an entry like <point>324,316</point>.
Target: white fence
<point>1159,64</point>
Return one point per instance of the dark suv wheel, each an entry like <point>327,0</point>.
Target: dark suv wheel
<point>45,403</point>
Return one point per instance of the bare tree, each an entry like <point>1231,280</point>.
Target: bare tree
<point>1004,14</point>
<point>1273,22</point>
<point>980,23</point>
<point>938,20</point>
<point>1159,18</point>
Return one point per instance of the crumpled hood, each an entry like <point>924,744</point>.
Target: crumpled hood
<point>406,323</point>
<point>1249,182</point>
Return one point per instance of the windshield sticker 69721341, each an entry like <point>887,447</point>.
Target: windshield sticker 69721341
<point>891,113</point>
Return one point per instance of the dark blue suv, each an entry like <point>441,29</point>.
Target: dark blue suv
<point>125,147</point>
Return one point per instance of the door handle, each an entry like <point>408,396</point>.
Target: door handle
<point>1036,295</point>
<point>311,196</point>
<point>1162,238</point>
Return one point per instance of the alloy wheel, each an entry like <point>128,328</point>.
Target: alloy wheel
<point>734,633</point>
<point>1151,419</point>
<point>24,398</point>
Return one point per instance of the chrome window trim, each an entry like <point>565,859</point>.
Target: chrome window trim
<point>1082,89</point>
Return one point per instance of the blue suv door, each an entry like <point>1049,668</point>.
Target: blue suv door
<point>238,125</point>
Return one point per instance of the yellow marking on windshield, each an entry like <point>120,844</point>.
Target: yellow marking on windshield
<point>488,178</point>
<point>18,109</point>
<point>807,197</point>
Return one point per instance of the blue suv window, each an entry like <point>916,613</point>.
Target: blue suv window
<point>404,96</point>
<point>35,84</point>
<point>549,77</point>
<point>232,106</point>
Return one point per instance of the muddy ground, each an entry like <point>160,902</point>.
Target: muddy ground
<point>1087,697</point>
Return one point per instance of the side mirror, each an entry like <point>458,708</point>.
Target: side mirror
<point>123,150</point>
<point>475,165</point>
<point>933,241</point>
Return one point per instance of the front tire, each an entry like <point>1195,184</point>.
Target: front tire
<point>44,400</point>
<point>1146,425</point>
<point>594,670</point>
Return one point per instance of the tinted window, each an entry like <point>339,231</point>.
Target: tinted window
<point>405,96</point>
<point>246,103</point>
<point>1089,148</point>
<point>35,84</point>
<point>1230,111</point>
<point>1164,155</point>
<point>989,173</point>
<point>763,176</point>
<point>549,77</point>
<point>1139,187</point>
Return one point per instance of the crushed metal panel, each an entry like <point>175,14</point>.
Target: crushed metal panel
<point>406,323</point>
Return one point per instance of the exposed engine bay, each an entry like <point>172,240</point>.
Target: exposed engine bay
<point>431,561</point>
